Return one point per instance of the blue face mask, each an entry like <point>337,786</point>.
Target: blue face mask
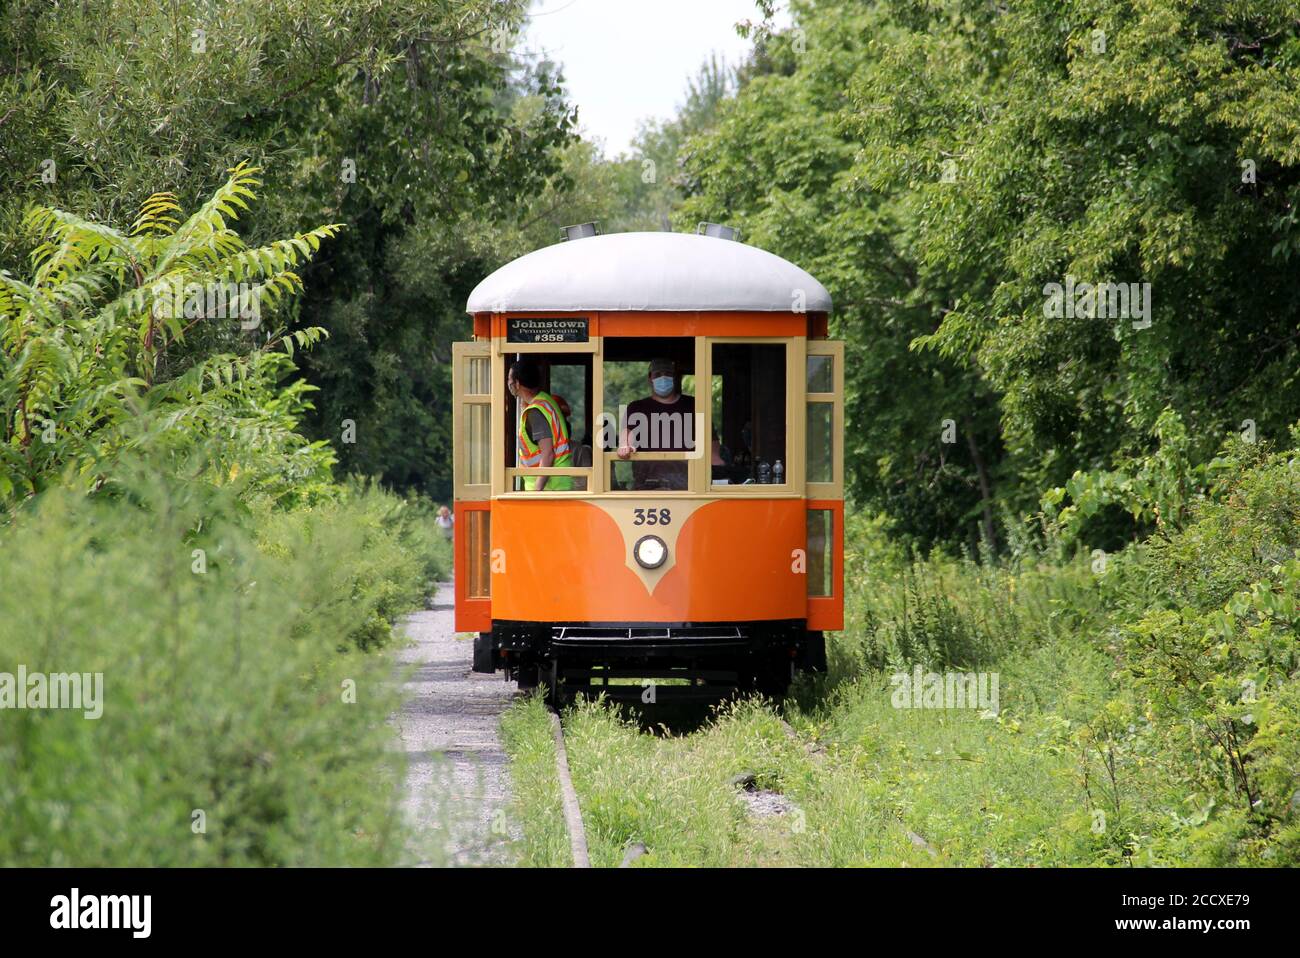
<point>663,385</point>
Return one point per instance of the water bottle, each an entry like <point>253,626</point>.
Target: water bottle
<point>778,473</point>
<point>764,472</point>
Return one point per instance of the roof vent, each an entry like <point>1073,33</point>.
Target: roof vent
<point>717,231</point>
<point>581,231</point>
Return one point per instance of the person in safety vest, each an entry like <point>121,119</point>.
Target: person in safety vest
<point>543,431</point>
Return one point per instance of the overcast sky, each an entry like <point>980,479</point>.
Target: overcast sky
<point>628,60</point>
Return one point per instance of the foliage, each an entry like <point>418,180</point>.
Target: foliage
<point>216,697</point>
<point>448,153</point>
<point>1211,638</point>
<point>411,120</point>
<point>923,444</point>
<point>398,557</point>
<point>1112,143</point>
<point>1166,673</point>
<point>946,613</point>
<point>127,97</point>
<point>938,164</point>
<point>182,538</point>
<point>87,348</point>
<point>1155,489</point>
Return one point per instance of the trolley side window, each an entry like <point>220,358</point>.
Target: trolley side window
<point>472,420</point>
<point>825,419</point>
<point>550,406</point>
<point>748,396</point>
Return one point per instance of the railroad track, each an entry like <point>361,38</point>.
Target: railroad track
<point>573,811</point>
<point>569,798</point>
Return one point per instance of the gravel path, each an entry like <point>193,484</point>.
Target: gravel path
<point>457,780</point>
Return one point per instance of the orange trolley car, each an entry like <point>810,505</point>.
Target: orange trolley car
<point>714,558</point>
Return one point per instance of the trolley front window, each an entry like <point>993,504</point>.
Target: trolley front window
<point>748,396</point>
<point>654,426</point>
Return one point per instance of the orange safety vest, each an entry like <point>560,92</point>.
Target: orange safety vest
<point>530,454</point>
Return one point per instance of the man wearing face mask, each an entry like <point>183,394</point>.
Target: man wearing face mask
<point>662,422</point>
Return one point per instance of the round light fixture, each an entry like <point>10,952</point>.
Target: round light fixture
<point>650,552</point>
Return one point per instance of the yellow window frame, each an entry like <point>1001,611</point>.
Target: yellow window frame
<point>467,386</point>
<point>793,487</point>
<point>503,476</point>
<point>835,350</point>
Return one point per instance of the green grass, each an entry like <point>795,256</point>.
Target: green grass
<point>535,806</point>
<point>672,793</point>
<point>981,792</point>
<point>1081,765</point>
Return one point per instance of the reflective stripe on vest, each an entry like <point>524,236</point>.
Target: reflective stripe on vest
<point>530,454</point>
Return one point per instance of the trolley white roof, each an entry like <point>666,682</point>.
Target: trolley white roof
<point>650,271</point>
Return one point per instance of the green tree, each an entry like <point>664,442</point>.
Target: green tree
<point>1100,142</point>
<point>410,120</point>
<point>922,442</point>
<point>82,342</point>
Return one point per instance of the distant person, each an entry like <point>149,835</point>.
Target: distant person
<point>445,522</point>
<point>662,422</point>
<point>543,439</point>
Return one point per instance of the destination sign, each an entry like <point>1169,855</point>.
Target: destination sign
<point>568,330</point>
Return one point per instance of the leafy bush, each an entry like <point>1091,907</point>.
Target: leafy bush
<point>216,576</point>
<point>1164,682</point>
<point>396,558</point>
<point>224,689</point>
<point>1212,640</point>
<point>93,360</point>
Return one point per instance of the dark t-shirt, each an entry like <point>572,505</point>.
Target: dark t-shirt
<point>538,427</point>
<point>654,426</point>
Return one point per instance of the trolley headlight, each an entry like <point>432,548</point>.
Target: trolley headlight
<point>650,552</point>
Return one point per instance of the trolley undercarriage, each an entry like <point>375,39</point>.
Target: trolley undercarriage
<point>651,663</point>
